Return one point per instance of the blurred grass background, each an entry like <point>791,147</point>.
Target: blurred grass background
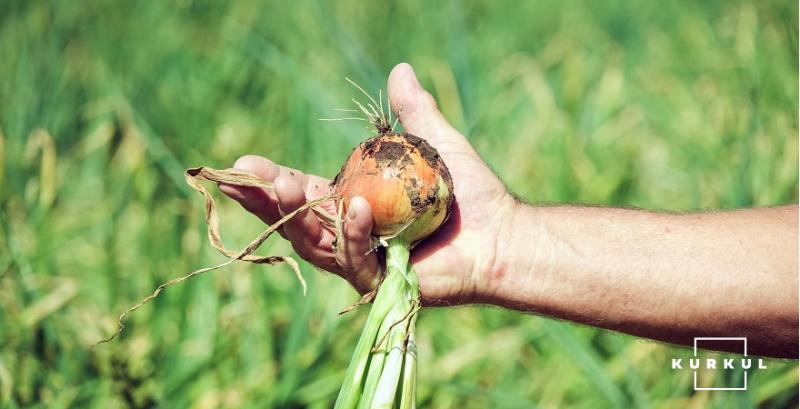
<point>664,105</point>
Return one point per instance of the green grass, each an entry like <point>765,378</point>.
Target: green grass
<point>663,105</point>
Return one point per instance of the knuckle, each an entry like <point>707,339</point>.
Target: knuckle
<point>351,234</point>
<point>307,247</point>
<point>346,262</point>
<point>430,101</point>
<point>301,252</point>
<point>304,251</point>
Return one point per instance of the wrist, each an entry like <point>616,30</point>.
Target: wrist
<point>507,262</point>
<point>510,280</point>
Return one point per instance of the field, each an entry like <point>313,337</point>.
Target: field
<point>675,106</point>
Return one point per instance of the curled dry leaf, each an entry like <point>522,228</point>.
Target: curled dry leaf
<point>195,177</point>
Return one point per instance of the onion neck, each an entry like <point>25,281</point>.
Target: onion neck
<point>397,256</point>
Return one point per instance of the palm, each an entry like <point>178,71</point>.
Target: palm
<point>453,261</point>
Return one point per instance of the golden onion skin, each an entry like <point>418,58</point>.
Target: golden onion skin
<point>405,182</point>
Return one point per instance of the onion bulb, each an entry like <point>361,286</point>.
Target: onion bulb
<point>405,182</point>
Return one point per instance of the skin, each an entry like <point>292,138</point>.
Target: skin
<point>668,277</point>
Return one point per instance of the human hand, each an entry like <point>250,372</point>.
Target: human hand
<point>456,265</point>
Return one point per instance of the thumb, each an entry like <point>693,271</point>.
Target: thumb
<point>418,112</point>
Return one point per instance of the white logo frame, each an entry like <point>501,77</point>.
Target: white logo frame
<point>743,388</point>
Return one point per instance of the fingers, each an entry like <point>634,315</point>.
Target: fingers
<point>304,229</point>
<point>353,260</point>
<point>418,111</point>
<point>263,203</point>
<point>354,256</point>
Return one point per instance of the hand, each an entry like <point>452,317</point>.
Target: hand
<point>455,266</point>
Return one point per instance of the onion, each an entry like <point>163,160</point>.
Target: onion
<point>405,182</point>
<point>410,192</point>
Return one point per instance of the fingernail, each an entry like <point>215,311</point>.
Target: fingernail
<point>280,184</point>
<point>232,191</point>
<point>351,211</point>
<point>242,163</point>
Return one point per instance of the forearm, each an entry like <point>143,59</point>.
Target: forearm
<point>663,276</point>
